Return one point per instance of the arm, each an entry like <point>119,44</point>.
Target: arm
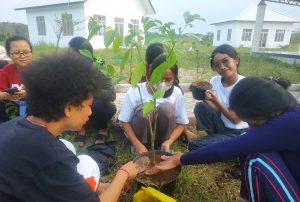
<point>218,106</point>
<point>138,146</point>
<point>173,137</point>
<point>112,193</point>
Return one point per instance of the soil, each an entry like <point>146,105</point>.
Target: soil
<point>203,84</point>
<point>160,178</point>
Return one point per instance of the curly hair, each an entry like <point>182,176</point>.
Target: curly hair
<point>54,81</point>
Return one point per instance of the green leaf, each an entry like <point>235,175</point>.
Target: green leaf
<point>110,70</point>
<point>148,107</point>
<point>137,73</point>
<point>127,41</point>
<point>93,32</point>
<point>117,43</point>
<point>171,59</point>
<point>109,36</point>
<point>158,73</point>
<point>124,60</point>
<point>149,25</point>
<point>159,93</point>
<point>86,53</point>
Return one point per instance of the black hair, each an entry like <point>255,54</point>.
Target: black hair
<point>3,63</point>
<point>284,83</point>
<point>154,50</point>
<point>15,38</point>
<point>255,98</point>
<point>224,49</point>
<point>79,43</point>
<point>54,81</point>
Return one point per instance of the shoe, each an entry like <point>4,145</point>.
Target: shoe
<point>100,138</point>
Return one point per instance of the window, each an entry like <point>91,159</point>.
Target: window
<point>218,35</point>
<point>67,25</point>
<point>40,22</point>
<point>102,22</point>
<point>229,31</point>
<point>279,35</point>
<point>247,34</point>
<point>135,24</point>
<point>119,26</point>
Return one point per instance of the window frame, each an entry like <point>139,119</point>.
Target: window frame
<point>41,26</point>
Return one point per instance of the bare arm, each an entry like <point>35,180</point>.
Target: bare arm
<point>215,103</point>
<point>173,137</point>
<point>139,147</point>
<point>112,193</point>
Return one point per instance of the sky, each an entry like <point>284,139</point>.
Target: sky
<point>172,10</point>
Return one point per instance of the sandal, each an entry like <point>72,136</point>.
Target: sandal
<point>80,140</point>
<point>100,138</point>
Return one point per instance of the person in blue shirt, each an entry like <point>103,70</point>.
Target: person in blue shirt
<point>269,150</point>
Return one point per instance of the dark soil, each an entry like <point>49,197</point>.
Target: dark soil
<point>203,84</point>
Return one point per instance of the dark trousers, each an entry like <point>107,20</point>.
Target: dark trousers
<point>102,112</point>
<point>265,177</point>
<point>165,124</point>
<point>209,120</point>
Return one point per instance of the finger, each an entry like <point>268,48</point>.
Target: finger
<point>165,157</point>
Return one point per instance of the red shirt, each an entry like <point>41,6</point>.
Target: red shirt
<point>10,77</point>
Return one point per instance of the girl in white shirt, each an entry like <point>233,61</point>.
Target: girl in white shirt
<point>213,114</point>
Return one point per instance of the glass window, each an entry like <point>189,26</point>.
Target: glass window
<point>218,35</point>
<point>279,35</point>
<point>119,26</point>
<point>247,33</point>
<point>135,24</point>
<point>40,22</point>
<point>67,25</point>
<point>101,19</point>
<point>229,31</point>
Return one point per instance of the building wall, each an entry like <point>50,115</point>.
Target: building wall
<point>51,14</point>
<point>126,9</point>
<point>237,33</point>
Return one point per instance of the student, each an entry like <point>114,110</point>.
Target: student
<point>270,169</point>
<point>19,50</point>
<point>172,116</point>
<point>213,114</point>
<point>103,107</point>
<point>35,164</point>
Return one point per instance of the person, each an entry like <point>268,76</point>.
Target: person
<point>269,149</point>
<point>172,116</point>
<point>4,59</point>
<point>213,114</point>
<point>19,49</point>
<point>35,164</point>
<point>103,104</point>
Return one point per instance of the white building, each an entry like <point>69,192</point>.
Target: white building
<point>238,32</point>
<point>74,15</point>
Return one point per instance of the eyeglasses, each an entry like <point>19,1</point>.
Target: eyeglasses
<point>19,54</point>
<point>225,62</point>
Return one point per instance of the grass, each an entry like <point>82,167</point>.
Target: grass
<point>202,182</point>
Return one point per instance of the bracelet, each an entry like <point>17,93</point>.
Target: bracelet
<point>127,180</point>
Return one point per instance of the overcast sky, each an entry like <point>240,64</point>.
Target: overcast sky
<point>172,10</point>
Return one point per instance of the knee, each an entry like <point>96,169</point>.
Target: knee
<point>200,107</point>
<point>166,110</point>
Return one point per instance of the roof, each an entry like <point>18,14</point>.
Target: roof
<point>47,3</point>
<point>249,14</point>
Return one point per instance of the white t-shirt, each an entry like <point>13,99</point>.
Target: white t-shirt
<point>223,94</point>
<point>133,100</point>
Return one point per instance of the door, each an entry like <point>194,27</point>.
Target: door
<point>263,38</point>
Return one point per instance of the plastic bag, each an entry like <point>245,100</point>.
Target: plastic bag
<point>150,194</point>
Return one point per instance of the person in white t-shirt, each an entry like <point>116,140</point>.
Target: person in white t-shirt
<point>213,114</point>
<point>172,116</point>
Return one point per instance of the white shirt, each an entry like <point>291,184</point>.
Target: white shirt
<point>133,100</point>
<point>223,94</point>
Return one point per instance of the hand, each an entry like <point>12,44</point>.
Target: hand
<point>166,146</point>
<point>18,95</point>
<point>210,95</point>
<point>140,148</point>
<point>131,168</point>
<point>168,162</point>
<point>4,96</point>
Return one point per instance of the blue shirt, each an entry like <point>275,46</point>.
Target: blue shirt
<point>280,134</point>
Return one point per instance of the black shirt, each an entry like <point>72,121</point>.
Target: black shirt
<point>36,166</point>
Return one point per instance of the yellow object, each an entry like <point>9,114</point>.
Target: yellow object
<point>150,194</point>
